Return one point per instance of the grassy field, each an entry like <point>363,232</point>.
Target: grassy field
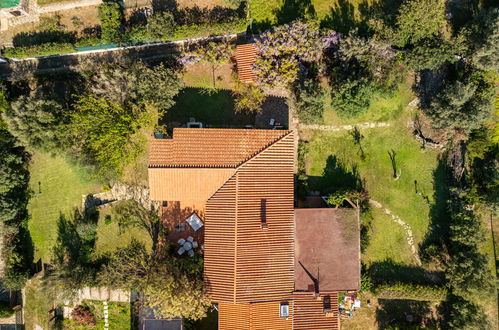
<point>412,164</point>
<point>270,12</point>
<point>58,186</point>
<point>110,237</point>
<point>200,75</point>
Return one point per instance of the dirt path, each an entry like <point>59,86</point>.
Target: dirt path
<point>407,229</point>
<point>342,128</point>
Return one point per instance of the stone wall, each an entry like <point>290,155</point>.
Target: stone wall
<point>67,5</point>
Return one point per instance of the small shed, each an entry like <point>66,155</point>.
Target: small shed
<point>245,56</point>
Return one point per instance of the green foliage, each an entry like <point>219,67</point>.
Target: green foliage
<point>234,4</point>
<point>134,83</point>
<point>366,284</point>
<point>432,53</point>
<point>353,97</point>
<point>110,16</point>
<point>161,25</point>
<point>483,38</point>
<point>463,104</point>
<point>308,99</point>
<point>466,315</point>
<point>108,133</point>
<point>418,20</point>
<point>248,98</point>
<point>411,291</point>
<point>209,29</point>
<point>4,106</point>
<point>5,310</point>
<point>35,122</point>
<point>46,49</point>
<point>483,154</point>
<point>169,287</point>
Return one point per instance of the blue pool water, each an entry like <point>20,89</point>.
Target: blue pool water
<point>8,3</point>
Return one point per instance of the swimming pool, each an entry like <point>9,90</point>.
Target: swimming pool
<point>8,3</point>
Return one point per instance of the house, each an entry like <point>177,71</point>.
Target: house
<point>266,264</point>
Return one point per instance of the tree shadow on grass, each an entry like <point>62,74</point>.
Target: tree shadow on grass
<point>213,109</point>
<point>406,314</point>
<point>336,176</point>
<point>344,17</point>
<point>294,9</point>
<point>388,271</point>
<point>435,240</point>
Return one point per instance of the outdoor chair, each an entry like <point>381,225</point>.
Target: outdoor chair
<point>194,244</point>
<point>190,253</point>
<point>190,239</point>
<point>181,251</point>
<point>181,241</point>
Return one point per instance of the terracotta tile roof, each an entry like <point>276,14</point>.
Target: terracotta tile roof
<point>245,57</point>
<point>243,262</point>
<point>255,316</point>
<point>309,312</point>
<point>180,184</point>
<point>210,147</point>
<point>305,313</point>
<point>327,245</point>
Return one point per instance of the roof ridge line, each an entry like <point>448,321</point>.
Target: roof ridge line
<point>263,149</point>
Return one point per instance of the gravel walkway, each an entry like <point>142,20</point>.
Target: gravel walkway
<point>342,128</point>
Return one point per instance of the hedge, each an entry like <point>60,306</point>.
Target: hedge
<point>411,291</point>
<point>39,50</point>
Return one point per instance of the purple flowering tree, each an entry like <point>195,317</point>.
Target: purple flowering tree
<point>281,51</point>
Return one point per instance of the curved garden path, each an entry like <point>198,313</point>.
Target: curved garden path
<point>407,229</point>
<point>344,127</point>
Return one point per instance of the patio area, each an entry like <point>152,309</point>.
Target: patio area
<point>184,223</point>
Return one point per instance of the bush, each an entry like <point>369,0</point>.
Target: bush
<point>39,50</point>
<point>83,315</point>
<point>248,98</point>
<point>353,97</point>
<point>161,26</point>
<point>5,310</point>
<point>110,17</point>
<point>309,101</point>
<point>411,291</point>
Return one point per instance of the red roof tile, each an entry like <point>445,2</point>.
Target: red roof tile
<point>245,57</point>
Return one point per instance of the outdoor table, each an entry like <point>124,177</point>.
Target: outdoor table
<point>187,245</point>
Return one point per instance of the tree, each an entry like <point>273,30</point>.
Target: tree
<point>110,134</point>
<point>462,105</point>
<point>35,122</point>
<point>248,98</point>
<point>131,214</point>
<point>281,51</point>
<point>418,20</point>
<point>486,40</point>
<point>466,315</point>
<point>353,97</point>
<point>161,25</point>
<point>308,100</point>
<point>169,288</point>
<point>110,17</point>
<point>432,53</point>
<point>133,83</point>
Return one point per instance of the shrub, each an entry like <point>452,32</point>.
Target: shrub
<point>353,97</point>
<point>248,98</point>
<point>161,25</point>
<point>110,17</point>
<point>39,50</point>
<point>411,291</point>
<point>309,101</point>
<point>209,29</point>
<point>83,315</point>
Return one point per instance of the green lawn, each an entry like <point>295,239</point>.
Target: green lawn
<point>271,12</point>
<point>109,237</point>
<point>58,187</point>
<point>413,163</point>
<point>381,109</point>
<point>215,108</point>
